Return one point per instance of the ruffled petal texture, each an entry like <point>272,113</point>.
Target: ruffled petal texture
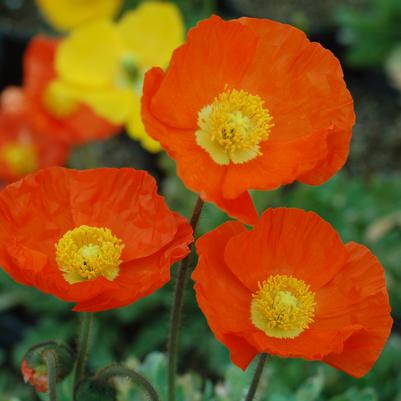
<point>38,210</point>
<point>351,319</point>
<point>300,83</point>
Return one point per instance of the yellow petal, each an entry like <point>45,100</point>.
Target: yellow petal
<point>89,57</point>
<point>64,15</point>
<point>59,100</point>
<point>152,32</point>
<point>136,129</point>
<point>114,105</point>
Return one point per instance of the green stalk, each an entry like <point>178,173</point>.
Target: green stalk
<point>256,378</point>
<point>176,311</point>
<point>51,361</point>
<point>83,346</point>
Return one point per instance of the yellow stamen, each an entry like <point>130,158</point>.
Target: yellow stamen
<point>20,158</point>
<point>283,307</point>
<point>233,126</point>
<point>86,253</point>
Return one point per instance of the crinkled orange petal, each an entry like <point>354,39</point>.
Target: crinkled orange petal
<point>144,223</point>
<point>303,87</point>
<point>313,344</point>
<point>201,69</point>
<point>286,241</point>
<point>301,82</point>
<point>338,143</point>
<point>193,166</point>
<point>38,210</point>
<point>30,262</point>
<point>280,167</point>
<point>362,282</point>
<point>241,352</point>
<point>217,290</point>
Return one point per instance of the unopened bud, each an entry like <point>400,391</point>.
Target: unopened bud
<point>34,367</point>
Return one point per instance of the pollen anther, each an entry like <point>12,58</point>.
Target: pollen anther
<point>86,253</point>
<point>283,306</point>
<point>233,126</point>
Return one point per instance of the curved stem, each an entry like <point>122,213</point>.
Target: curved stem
<point>172,345</point>
<point>122,371</point>
<point>83,345</point>
<point>256,377</point>
<point>51,361</point>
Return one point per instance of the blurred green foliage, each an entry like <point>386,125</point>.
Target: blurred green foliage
<point>372,33</point>
<point>364,211</point>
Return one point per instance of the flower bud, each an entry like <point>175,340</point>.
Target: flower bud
<point>37,377</point>
<point>34,367</point>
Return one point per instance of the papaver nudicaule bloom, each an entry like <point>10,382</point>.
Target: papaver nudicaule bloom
<point>249,104</point>
<point>100,238</point>
<point>291,287</point>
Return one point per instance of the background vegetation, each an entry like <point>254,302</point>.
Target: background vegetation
<point>362,202</point>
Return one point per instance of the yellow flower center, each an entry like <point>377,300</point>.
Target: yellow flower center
<point>86,253</point>
<point>233,126</point>
<point>21,159</point>
<point>283,307</point>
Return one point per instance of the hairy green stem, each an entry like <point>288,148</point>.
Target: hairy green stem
<point>51,361</point>
<point>83,346</point>
<point>256,377</point>
<point>122,371</point>
<point>176,310</point>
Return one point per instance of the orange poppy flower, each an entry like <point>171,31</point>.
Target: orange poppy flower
<point>249,104</point>
<point>100,238</point>
<point>54,114</point>
<point>290,287</point>
<point>24,150</point>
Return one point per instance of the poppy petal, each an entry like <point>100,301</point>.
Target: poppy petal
<point>217,296</point>
<point>215,66</point>
<point>362,280</point>
<point>286,241</point>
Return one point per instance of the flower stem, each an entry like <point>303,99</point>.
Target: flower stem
<point>172,345</point>
<point>83,345</point>
<point>256,378</point>
<point>51,361</point>
<point>122,371</point>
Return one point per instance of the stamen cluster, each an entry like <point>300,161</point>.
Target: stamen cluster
<point>233,126</point>
<point>283,307</point>
<point>86,253</point>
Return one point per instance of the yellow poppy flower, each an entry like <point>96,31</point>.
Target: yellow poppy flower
<point>65,15</point>
<point>102,64</point>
